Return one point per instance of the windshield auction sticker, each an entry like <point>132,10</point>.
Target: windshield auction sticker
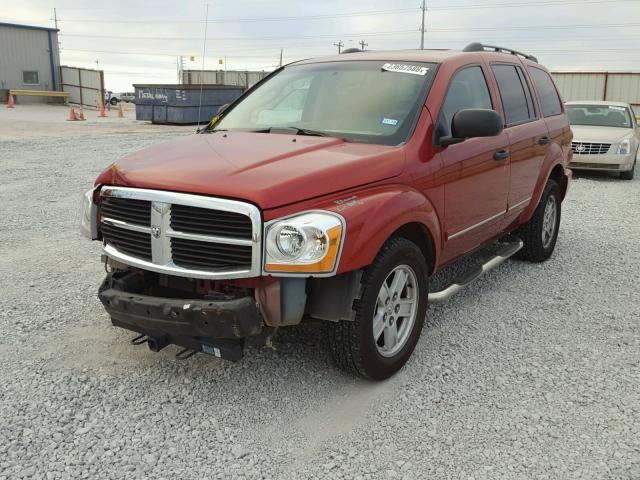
<point>402,68</point>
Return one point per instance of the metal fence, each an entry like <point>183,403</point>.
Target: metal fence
<point>84,86</point>
<point>237,78</point>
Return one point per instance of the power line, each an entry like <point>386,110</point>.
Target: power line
<point>396,32</point>
<point>525,4</point>
<point>536,27</point>
<point>263,19</point>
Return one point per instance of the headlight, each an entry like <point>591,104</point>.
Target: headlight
<point>305,243</point>
<point>624,147</point>
<point>89,216</point>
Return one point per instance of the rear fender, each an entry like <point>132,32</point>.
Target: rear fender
<point>553,167</point>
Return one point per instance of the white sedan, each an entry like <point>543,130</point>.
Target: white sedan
<point>606,137</point>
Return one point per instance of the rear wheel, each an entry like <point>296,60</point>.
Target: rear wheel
<point>390,314</point>
<point>113,101</point>
<point>541,232</point>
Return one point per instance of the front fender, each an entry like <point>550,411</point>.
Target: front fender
<point>373,216</point>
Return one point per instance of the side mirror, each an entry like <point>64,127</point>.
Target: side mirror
<point>222,108</point>
<point>473,122</point>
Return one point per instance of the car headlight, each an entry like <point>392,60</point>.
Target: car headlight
<point>624,147</point>
<point>89,215</point>
<point>305,243</point>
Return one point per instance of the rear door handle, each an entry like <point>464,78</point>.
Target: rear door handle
<point>501,154</point>
<point>543,140</point>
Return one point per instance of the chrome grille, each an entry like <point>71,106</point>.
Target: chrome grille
<point>181,234</point>
<point>210,222</point>
<point>195,255</point>
<point>133,243</point>
<point>589,148</point>
<point>127,210</point>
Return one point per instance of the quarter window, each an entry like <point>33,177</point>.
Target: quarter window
<point>515,94</point>
<point>549,99</point>
<point>468,89</point>
<point>30,78</point>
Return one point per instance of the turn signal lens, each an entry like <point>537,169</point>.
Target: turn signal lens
<point>89,216</point>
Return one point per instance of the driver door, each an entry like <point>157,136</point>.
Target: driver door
<point>476,171</point>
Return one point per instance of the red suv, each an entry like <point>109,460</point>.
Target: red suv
<point>333,190</point>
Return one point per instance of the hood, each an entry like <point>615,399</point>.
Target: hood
<point>267,169</point>
<point>589,133</point>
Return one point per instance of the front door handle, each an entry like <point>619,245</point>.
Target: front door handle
<point>501,154</point>
<point>544,140</point>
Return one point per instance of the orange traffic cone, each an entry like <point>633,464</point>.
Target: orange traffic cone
<point>10,101</point>
<point>120,112</point>
<point>102,114</point>
<point>81,116</point>
<point>72,115</point>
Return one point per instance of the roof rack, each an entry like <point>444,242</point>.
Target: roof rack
<point>479,47</point>
<point>352,50</point>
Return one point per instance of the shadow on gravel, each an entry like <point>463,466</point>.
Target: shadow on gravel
<point>603,177</point>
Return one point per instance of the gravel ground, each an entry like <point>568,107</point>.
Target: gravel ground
<point>532,372</point>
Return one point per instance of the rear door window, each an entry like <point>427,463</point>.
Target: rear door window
<point>549,99</point>
<point>516,97</point>
<point>468,89</point>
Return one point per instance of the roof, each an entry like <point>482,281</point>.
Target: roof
<point>28,27</point>
<point>432,56</point>
<point>597,102</point>
<point>427,55</point>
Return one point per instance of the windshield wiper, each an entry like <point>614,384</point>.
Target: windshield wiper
<point>299,131</point>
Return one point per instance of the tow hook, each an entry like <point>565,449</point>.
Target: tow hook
<point>155,344</point>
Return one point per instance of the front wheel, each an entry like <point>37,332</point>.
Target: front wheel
<point>540,234</point>
<point>390,314</point>
<point>113,101</point>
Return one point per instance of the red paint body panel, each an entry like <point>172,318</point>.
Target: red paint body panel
<point>377,189</point>
<point>269,170</point>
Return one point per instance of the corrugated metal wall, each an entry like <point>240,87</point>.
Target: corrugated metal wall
<point>619,87</point>
<point>28,49</point>
<point>222,77</point>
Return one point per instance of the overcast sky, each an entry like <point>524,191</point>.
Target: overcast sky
<point>138,42</point>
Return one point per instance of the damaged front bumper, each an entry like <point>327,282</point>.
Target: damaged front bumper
<point>218,327</point>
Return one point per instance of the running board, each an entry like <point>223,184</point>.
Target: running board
<point>508,250</point>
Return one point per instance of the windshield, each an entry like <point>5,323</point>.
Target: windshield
<point>599,115</point>
<point>359,101</point>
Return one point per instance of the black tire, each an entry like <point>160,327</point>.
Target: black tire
<point>113,101</point>
<point>628,175</point>
<point>531,233</point>
<point>351,343</point>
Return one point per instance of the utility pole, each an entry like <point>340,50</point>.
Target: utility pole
<point>424,11</point>
<point>280,58</point>
<point>55,18</point>
<point>340,44</point>
<point>362,44</point>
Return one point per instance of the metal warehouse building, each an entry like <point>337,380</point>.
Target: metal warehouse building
<point>613,86</point>
<point>29,59</point>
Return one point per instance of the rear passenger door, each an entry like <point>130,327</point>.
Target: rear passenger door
<point>527,132</point>
<point>476,184</point>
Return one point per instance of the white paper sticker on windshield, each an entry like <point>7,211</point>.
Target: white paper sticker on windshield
<point>402,68</point>
<point>613,107</point>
